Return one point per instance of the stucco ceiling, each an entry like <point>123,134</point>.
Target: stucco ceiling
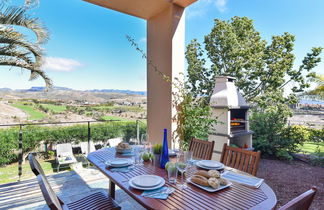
<point>140,8</point>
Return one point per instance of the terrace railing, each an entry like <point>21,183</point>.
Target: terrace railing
<point>20,136</point>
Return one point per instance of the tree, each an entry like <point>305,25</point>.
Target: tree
<point>15,49</point>
<point>263,70</point>
<point>236,49</point>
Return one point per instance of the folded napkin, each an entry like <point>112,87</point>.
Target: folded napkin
<point>243,179</point>
<point>161,193</point>
<point>122,169</point>
<point>127,154</point>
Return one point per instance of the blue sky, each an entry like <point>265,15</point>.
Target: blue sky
<point>88,49</point>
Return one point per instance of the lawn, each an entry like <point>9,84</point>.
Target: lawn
<point>33,113</point>
<point>9,173</point>
<point>55,108</point>
<point>311,147</point>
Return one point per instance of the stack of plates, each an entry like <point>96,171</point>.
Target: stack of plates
<point>146,182</point>
<point>210,164</point>
<point>119,162</point>
<point>172,153</point>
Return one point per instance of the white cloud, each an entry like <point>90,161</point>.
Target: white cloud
<point>61,64</point>
<point>143,40</point>
<point>221,5</point>
<point>201,7</point>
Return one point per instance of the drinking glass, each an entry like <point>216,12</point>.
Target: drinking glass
<point>182,167</point>
<point>188,155</point>
<point>137,156</point>
<point>172,173</point>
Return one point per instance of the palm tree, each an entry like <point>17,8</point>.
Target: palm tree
<point>15,49</point>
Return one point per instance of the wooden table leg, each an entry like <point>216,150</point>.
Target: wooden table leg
<point>112,189</point>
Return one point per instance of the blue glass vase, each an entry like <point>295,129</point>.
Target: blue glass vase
<point>165,150</point>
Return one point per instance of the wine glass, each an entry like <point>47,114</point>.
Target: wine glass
<point>182,167</point>
<point>145,142</point>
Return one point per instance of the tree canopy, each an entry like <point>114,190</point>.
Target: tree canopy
<point>235,48</point>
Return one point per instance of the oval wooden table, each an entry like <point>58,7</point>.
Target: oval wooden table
<point>235,197</point>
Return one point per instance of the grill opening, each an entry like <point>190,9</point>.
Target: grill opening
<point>238,120</point>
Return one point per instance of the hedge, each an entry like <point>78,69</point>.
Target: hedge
<point>34,135</point>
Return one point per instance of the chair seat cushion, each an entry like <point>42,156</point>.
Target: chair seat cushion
<point>94,201</point>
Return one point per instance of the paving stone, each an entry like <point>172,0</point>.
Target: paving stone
<point>69,186</point>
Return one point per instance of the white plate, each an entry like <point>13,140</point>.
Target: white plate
<point>145,188</point>
<point>147,181</point>
<point>209,189</point>
<point>119,162</point>
<point>210,163</point>
<point>205,167</point>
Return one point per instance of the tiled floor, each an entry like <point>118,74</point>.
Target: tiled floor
<point>69,186</point>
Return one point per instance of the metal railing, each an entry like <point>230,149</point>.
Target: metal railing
<point>20,135</point>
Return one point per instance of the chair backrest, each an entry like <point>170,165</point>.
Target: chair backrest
<point>303,201</point>
<point>63,150</point>
<point>84,147</point>
<point>34,165</point>
<point>201,149</point>
<point>53,202</point>
<point>241,159</point>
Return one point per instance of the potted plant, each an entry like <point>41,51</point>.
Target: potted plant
<point>157,149</point>
<point>147,156</point>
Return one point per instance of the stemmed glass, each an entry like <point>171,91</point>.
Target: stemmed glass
<point>145,142</point>
<point>182,167</point>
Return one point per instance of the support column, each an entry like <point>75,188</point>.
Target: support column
<point>165,49</point>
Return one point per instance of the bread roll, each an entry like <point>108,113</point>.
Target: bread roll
<point>202,173</point>
<point>213,174</point>
<point>200,180</point>
<point>222,181</point>
<point>214,183</point>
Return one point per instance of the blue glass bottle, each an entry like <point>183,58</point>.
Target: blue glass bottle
<point>165,150</point>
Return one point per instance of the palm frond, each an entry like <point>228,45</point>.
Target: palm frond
<point>17,16</point>
<point>34,71</point>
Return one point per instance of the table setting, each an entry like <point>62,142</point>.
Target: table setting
<point>156,172</point>
<point>157,176</point>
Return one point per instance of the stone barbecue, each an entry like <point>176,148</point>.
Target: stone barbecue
<point>231,111</point>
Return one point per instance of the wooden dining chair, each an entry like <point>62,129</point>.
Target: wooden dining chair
<point>303,201</point>
<point>34,165</point>
<point>94,201</point>
<point>243,160</point>
<point>201,149</point>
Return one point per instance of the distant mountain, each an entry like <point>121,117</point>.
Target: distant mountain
<point>41,89</point>
<point>57,88</point>
<point>5,89</point>
<point>131,92</point>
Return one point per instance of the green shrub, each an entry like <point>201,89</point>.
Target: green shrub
<point>33,136</point>
<point>274,138</point>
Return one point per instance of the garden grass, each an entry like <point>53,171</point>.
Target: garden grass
<point>55,108</point>
<point>311,147</point>
<point>9,173</point>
